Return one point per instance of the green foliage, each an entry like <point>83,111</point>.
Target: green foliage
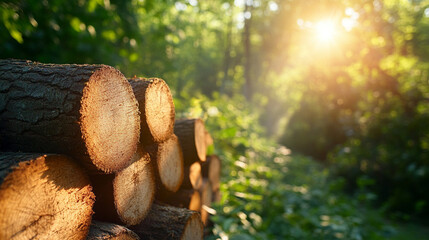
<point>393,154</point>
<point>365,107</point>
<point>67,31</point>
<point>268,194</point>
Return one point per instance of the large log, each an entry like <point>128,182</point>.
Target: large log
<point>86,111</point>
<point>43,197</point>
<point>166,222</point>
<point>191,134</point>
<point>156,107</point>
<point>168,160</point>
<point>110,231</point>
<point>211,169</point>
<point>184,198</point>
<point>127,196</point>
<point>193,177</point>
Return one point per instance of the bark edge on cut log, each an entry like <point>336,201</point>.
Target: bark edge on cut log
<point>166,222</point>
<point>109,231</point>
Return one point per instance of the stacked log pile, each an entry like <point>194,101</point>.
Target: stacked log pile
<point>88,153</point>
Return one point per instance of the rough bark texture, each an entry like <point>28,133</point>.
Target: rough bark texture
<point>211,169</point>
<point>168,162</point>
<point>184,198</point>
<point>193,178</point>
<point>110,231</point>
<point>86,111</point>
<point>43,197</point>
<point>192,139</point>
<point>156,107</point>
<point>206,200</point>
<point>127,196</point>
<point>166,222</point>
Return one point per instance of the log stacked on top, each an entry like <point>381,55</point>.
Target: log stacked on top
<point>120,142</point>
<point>86,111</point>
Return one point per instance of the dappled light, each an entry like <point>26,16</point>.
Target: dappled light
<point>318,109</point>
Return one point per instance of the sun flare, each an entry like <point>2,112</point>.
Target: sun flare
<point>325,31</point>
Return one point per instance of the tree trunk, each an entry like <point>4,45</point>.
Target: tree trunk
<point>206,201</point>
<point>227,53</point>
<point>127,196</point>
<point>184,198</point>
<point>192,139</point>
<point>156,107</point>
<point>110,231</point>
<point>168,160</point>
<point>193,178</point>
<point>248,88</point>
<point>166,222</point>
<point>86,111</point>
<point>43,197</point>
<point>211,169</point>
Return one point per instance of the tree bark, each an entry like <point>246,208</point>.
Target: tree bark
<point>166,222</point>
<point>156,107</point>
<point>127,196</point>
<point>86,111</point>
<point>43,197</point>
<point>184,198</point>
<point>110,231</point>
<point>192,139</point>
<point>211,169</point>
<point>193,178</point>
<point>168,160</point>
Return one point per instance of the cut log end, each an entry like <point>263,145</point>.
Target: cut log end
<point>200,139</point>
<point>195,202</point>
<point>44,197</point>
<point>110,120</point>
<point>191,134</point>
<point>170,164</point>
<point>110,231</point>
<point>208,137</point>
<point>195,176</point>
<point>211,169</point>
<point>157,108</point>
<point>193,229</point>
<point>134,189</point>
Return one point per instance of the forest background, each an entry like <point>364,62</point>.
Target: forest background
<point>343,84</point>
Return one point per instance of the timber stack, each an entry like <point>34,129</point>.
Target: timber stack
<point>88,154</point>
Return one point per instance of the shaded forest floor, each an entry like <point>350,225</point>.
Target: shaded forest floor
<point>277,196</point>
<point>410,231</point>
